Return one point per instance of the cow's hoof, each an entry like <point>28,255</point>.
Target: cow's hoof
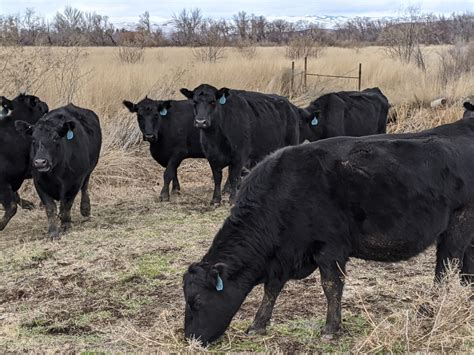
<point>176,192</point>
<point>329,333</point>
<point>256,331</point>
<point>164,198</point>
<point>215,203</point>
<point>27,205</point>
<point>65,227</point>
<point>85,211</point>
<point>54,235</point>
<point>328,337</point>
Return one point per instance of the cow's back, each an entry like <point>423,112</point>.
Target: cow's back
<point>396,191</point>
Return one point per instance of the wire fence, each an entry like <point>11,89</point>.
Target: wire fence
<point>304,76</point>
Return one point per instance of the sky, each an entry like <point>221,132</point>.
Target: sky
<point>123,11</point>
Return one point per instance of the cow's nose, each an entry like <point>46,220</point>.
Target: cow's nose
<point>39,163</point>
<point>200,122</point>
<point>148,137</point>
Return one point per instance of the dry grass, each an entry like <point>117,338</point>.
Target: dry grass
<point>114,283</point>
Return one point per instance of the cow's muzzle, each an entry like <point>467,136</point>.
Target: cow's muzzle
<point>201,123</point>
<point>149,137</point>
<point>42,165</point>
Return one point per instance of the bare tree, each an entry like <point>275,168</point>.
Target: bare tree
<point>402,37</point>
<point>187,24</point>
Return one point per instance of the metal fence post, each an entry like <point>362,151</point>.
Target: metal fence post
<point>305,73</point>
<point>360,76</point>
<point>292,82</point>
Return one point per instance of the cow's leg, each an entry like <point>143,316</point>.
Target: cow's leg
<point>332,280</point>
<point>226,189</point>
<point>65,213</point>
<point>217,176</point>
<point>235,169</point>
<point>455,243</point>
<point>51,213</point>
<point>85,199</point>
<point>24,204</point>
<point>7,199</point>
<point>176,186</point>
<point>264,313</point>
<point>467,270</point>
<point>169,175</point>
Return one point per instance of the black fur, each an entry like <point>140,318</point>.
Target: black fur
<point>14,150</point>
<point>63,163</point>
<point>346,113</point>
<point>384,197</point>
<point>240,130</point>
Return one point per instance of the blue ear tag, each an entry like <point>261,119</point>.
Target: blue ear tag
<point>164,112</point>
<point>315,121</point>
<point>220,284</point>
<point>223,99</point>
<point>70,135</point>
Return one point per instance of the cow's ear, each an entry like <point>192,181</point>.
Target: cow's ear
<point>164,107</point>
<point>33,101</point>
<point>315,118</point>
<point>222,95</point>
<point>217,275</point>
<point>67,129</point>
<point>24,128</point>
<point>468,106</point>
<point>187,93</point>
<point>130,105</point>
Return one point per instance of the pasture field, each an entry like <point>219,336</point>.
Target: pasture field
<point>113,284</point>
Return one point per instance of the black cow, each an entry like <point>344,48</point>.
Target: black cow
<point>169,127</point>
<point>15,149</point>
<point>345,113</point>
<point>383,198</point>
<point>65,150</point>
<point>469,110</point>
<point>239,129</point>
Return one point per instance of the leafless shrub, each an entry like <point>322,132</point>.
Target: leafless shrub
<point>131,54</point>
<point>247,50</point>
<point>300,47</point>
<point>209,53</point>
<point>455,62</point>
<point>25,69</point>
<point>402,38</point>
<point>68,74</point>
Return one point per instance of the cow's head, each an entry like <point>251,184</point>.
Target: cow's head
<point>50,137</point>
<point>469,110</point>
<point>24,107</point>
<point>150,114</point>
<point>206,99</point>
<point>28,108</point>
<point>212,299</point>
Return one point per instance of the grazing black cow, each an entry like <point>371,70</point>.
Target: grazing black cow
<point>239,128</point>
<point>15,149</point>
<point>383,198</point>
<point>469,110</point>
<point>64,151</point>
<point>345,113</point>
<point>169,127</point>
